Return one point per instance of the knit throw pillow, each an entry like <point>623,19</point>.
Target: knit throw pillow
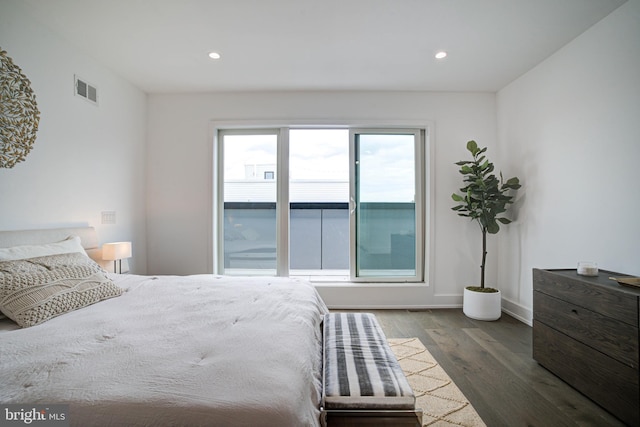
<point>35,290</point>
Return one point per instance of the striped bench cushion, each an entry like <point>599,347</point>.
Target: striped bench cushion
<point>360,370</point>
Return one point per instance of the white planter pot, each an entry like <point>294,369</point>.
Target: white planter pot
<point>482,305</point>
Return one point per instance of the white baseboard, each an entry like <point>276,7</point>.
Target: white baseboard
<point>518,311</point>
<point>402,296</point>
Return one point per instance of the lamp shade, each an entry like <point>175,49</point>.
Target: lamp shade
<point>115,251</point>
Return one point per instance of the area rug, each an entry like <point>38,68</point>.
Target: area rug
<point>441,401</point>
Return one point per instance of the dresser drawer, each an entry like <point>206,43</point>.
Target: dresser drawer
<point>598,294</point>
<point>614,385</point>
<point>617,339</point>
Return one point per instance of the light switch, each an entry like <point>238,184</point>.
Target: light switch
<point>108,217</point>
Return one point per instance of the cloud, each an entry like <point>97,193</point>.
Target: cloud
<point>386,161</point>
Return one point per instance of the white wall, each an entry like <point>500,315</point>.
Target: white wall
<point>86,159</point>
<point>179,200</point>
<point>570,129</point>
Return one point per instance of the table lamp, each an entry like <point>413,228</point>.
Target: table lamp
<point>116,252</point>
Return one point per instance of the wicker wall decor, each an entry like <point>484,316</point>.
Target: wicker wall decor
<point>19,115</point>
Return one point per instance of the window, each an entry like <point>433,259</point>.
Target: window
<point>321,202</point>
<point>249,220</point>
<point>386,210</point>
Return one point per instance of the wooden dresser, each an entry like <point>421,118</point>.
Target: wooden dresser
<point>585,331</point>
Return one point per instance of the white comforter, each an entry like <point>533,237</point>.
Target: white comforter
<point>182,351</point>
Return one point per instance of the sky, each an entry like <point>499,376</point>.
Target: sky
<point>386,162</point>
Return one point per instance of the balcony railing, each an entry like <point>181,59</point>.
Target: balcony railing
<point>319,236</point>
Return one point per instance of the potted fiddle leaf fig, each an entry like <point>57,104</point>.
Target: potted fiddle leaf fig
<point>483,199</point>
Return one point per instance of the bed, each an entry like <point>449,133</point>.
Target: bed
<point>166,350</point>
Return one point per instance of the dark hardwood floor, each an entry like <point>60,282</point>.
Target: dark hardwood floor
<point>492,365</point>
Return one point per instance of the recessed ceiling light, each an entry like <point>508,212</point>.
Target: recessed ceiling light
<point>441,55</point>
<point>214,55</point>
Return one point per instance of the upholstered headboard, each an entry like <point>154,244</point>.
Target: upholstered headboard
<point>87,235</point>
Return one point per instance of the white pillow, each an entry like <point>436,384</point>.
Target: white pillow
<point>70,245</point>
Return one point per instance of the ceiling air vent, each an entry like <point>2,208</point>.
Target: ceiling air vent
<point>86,90</point>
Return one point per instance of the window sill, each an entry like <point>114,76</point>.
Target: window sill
<point>349,284</point>
<point>341,278</point>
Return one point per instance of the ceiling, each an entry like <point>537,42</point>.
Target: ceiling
<point>161,46</point>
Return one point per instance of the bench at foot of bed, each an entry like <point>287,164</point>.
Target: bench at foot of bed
<point>363,384</point>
